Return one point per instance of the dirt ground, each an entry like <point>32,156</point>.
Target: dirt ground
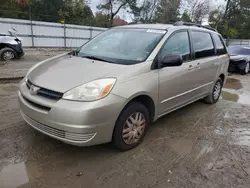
<point>198,146</point>
<point>19,67</point>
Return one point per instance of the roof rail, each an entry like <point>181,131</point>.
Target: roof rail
<point>134,23</point>
<point>181,23</point>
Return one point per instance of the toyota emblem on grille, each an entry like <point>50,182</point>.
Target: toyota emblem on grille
<point>33,90</point>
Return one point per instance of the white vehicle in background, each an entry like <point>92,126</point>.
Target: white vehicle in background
<point>10,46</point>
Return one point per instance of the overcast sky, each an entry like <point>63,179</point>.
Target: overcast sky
<point>123,14</point>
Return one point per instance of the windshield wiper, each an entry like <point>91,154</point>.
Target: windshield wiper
<point>95,58</point>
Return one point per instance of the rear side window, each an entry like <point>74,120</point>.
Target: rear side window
<point>203,44</point>
<point>220,47</point>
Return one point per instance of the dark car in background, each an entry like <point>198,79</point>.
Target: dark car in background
<point>10,46</point>
<point>239,59</point>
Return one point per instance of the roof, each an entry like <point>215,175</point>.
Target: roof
<point>148,26</point>
<point>164,27</point>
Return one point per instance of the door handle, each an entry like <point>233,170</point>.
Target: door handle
<point>198,66</point>
<point>190,67</point>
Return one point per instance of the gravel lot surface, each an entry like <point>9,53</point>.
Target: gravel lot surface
<point>19,67</point>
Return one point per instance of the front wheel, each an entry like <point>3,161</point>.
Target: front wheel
<point>131,126</point>
<point>246,69</point>
<point>214,96</point>
<point>7,54</point>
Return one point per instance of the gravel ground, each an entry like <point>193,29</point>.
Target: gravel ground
<point>203,146</point>
<point>19,67</point>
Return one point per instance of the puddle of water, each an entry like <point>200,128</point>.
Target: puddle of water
<point>242,137</point>
<point>229,96</point>
<point>233,83</point>
<point>242,99</point>
<point>13,176</point>
<point>16,175</point>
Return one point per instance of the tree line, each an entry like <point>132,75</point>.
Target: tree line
<point>232,19</point>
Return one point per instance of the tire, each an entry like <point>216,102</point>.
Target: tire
<point>246,70</point>
<point>136,111</point>
<point>214,95</point>
<point>7,54</point>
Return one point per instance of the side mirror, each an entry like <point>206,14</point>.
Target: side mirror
<point>172,61</point>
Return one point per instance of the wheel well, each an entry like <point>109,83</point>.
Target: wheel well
<point>3,45</point>
<point>222,77</point>
<point>148,103</point>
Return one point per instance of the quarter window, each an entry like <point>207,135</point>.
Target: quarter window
<point>203,44</point>
<point>178,44</point>
<point>220,47</point>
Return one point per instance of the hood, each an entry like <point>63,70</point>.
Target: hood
<point>8,40</point>
<point>239,57</point>
<point>66,72</point>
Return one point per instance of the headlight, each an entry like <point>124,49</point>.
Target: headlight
<point>94,90</point>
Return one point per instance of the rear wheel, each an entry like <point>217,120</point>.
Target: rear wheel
<point>246,70</point>
<point>131,126</point>
<point>214,95</point>
<point>7,54</point>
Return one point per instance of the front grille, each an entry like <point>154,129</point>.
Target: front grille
<point>49,94</point>
<point>54,95</point>
<point>58,133</point>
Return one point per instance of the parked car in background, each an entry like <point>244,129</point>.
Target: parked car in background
<point>239,59</point>
<point>10,46</point>
<point>127,77</point>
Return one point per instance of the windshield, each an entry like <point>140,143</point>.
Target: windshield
<point>122,46</point>
<point>238,50</point>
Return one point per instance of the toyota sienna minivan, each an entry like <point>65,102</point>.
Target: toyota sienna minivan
<point>114,86</point>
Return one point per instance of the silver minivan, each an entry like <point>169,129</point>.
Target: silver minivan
<point>114,86</point>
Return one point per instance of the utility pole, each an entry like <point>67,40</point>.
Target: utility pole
<point>31,24</point>
<point>225,19</point>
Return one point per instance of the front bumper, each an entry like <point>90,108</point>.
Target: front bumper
<point>76,123</point>
<point>19,50</point>
<point>235,66</point>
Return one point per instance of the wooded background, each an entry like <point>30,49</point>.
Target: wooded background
<point>232,19</point>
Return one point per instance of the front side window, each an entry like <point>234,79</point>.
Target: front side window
<point>220,47</point>
<point>178,44</point>
<point>203,44</point>
<point>122,46</point>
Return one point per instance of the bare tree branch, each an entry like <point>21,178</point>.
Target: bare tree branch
<point>119,8</point>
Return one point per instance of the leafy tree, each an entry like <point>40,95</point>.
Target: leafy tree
<point>185,17</point>
<point>46,10</point>
<point>112,7</point>
<point>13,9</point>
<point>101,20</point>
<point>197,9</point>
<point>236,19</point>
<point>76,12</point>
<point>167,11</point>
<point>143,12</point>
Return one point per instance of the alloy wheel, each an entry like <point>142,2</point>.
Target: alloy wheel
<point>8,55</point>
<point>217,90</point>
